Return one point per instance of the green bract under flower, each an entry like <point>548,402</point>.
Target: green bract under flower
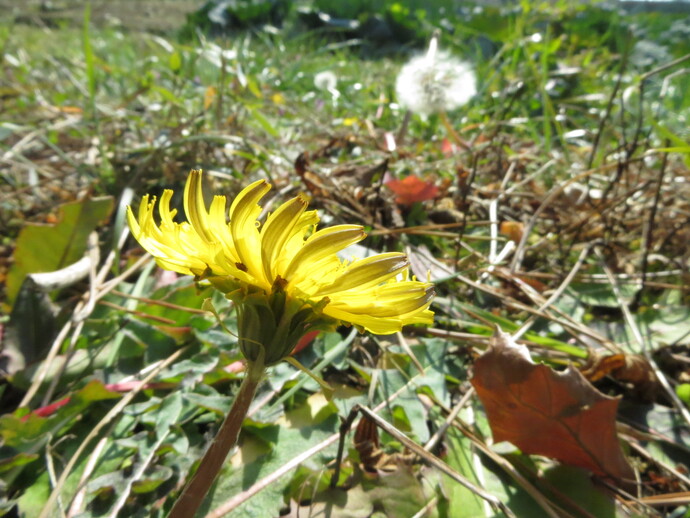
<point>286,257</point>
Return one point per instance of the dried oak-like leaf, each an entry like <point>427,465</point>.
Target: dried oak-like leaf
<point>544,412</point>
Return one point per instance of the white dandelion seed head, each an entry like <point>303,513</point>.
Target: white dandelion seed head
<point>435,82</point>
<point>326,80</point>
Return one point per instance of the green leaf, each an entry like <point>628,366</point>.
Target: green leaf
<point>16,460</point>
<point>263,122</point>
<point>671,447</point>
<point>168,95</point>
<point>215,403</point>
<point>314,410</point>
<point>175,61</point>
<point>80,362</point>
<point>177,441</point>
<point>602,295</point>
<point>577,486</point>
<point>664,324</point>
<point>31,501</point>
<point>197,365</point>
<point>46,248</point>
<point>461,457</point>
<point>113,481</point>
<point>683,392</point>
<point>153,478</point>
<point>183,293</point>
<point>479,469</point>
<point>31,328</point>
<point>340,503</point>
<point>168,415</point>
<point>400,493</point>
<point>241,474</point>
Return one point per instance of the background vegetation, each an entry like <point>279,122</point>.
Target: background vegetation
<point>573,159</point>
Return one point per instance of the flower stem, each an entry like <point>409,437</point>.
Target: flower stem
<point>195,491</point>
<point>454,137</point>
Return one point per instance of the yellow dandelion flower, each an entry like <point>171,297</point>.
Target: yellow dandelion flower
<point>284,275</point>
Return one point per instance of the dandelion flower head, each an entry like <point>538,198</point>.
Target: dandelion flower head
<point>286,254</point>
<point>435,82</point>
<point>326,80</point>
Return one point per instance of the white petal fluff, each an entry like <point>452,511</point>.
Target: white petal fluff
<point>435,82</point>
<point>326,80</point>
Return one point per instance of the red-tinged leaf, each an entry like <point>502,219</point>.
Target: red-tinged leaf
<point>237,366</point>
<point>544,412</point>
<point>448,148</point>
<point>412,189</point>
<point>165,278</point>
<point>128,386</point>
<point>125,386</point>
<point>48,410</point>
<point>305,341</point>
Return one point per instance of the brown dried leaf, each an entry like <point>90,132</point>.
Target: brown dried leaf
<point>631,369</point>
<point>513,230</point>
<point>367,444</point>
<point>545,412</point>
<point>311,180</point>
<point>602,365</point>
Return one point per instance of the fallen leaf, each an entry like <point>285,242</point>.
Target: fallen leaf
<point>448,148</point>
<point>601,365</point>
<point>632,369</point>
<point>412,189</point>
<point>518,282</point>
<point>544,412</point>
<point>368,445</point>
<point>311,180</point>
<point>513,230</point>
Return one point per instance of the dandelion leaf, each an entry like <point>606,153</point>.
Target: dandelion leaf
<point>45,248</point>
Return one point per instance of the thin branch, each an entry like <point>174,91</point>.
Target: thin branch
<point>607,112</point>
<point>649,226</point>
